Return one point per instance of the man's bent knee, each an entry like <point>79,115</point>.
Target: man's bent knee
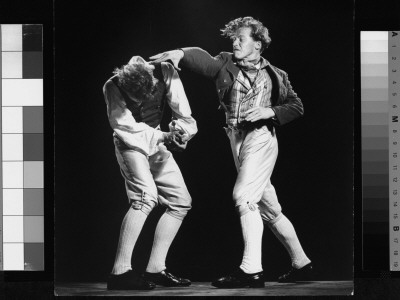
<point>142,201</point>
<point>244,202</point>
<point>180,209</point>
<point>244,208</point>
<point>271,218</point>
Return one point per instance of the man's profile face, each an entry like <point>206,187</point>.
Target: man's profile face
<point>244,46</point>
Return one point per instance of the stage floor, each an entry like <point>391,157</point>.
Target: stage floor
<point>306,288</point>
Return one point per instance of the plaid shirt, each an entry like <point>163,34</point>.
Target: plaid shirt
<point>245,95</point>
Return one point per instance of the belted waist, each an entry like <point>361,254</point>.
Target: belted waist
<point>246,125</point>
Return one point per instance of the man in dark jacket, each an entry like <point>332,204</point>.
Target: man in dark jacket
<point>256,97</point>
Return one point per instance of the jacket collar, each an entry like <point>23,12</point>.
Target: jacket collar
<point>234,69</point>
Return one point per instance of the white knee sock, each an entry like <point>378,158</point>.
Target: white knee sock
<point>166,230</point>
<point>284,231</point>
<point>252,229</point>
<point>130,229</point>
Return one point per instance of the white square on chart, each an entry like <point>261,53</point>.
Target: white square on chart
<point>13,256</point>
<point>13,202</point>
<point>22,92</point>
<point>11,37</point>
<point>13,175</point>
<point>374,46</point>
<point>374,35</point>
<point>12,147</point>
<point>13,229</point>
<point>11,65</point>
<point>12,120</point>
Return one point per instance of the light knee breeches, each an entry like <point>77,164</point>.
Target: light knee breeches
<point>150,181</point>
<point>255,153</point>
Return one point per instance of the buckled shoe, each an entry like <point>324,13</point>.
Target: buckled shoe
<point>165,278</point>
<point>240,279</point>
<point>128,281</point>
<point>303,274</point>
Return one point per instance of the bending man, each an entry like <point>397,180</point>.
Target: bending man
<point>135,98</point>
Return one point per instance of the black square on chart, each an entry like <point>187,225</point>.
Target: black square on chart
<point>32,37</point>
<point>32,64</point>
<point>33,147</point>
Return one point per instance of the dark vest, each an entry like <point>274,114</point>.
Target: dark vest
<point>149,111</point>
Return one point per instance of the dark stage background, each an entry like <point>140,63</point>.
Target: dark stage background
<point>311,40</point>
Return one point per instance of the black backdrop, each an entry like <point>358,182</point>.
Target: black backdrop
<point>311,40</point>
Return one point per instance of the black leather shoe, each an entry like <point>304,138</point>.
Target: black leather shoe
<point>165,278</point>
<point>240,279</point>
<point>128,281</point>
<point>303,274</point>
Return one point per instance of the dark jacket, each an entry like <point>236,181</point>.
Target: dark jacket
<point>222,70</point>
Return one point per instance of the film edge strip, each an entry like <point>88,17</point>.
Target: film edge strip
<point>394,150</point>
<point>375,160</point>
<point>1,155</point>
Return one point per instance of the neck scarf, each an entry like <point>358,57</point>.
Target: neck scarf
<point>248,65</point>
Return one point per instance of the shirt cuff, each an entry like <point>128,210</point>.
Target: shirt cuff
<point>183,51</point>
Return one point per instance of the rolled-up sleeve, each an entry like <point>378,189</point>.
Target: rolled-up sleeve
<point>178,102</point>
<point>136,135</point>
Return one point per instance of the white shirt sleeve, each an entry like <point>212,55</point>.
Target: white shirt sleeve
<point>136,135</point>
<point>178,102</point>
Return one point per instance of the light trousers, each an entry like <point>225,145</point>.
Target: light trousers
<point>255,153</point>
<point>153,180</point>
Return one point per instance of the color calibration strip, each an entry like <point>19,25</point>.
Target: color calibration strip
<point>394,148</point>
<point>375,149</point>
<point>380,134</point>
<point>22,148</point>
